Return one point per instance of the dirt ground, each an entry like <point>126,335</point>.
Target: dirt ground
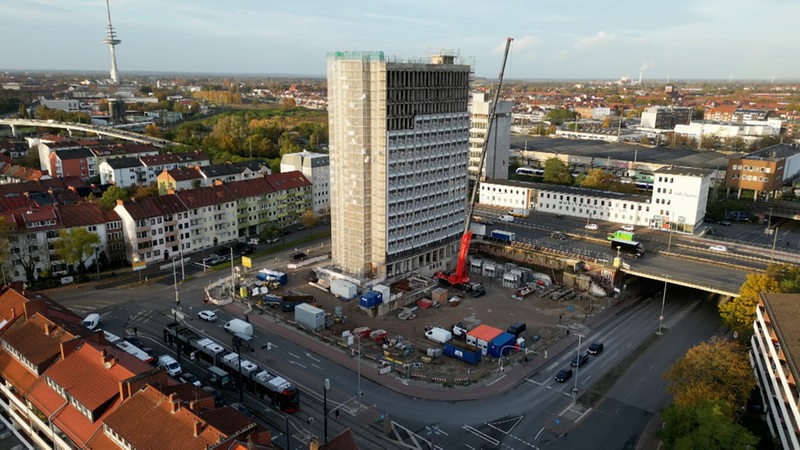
<point>547,321</point>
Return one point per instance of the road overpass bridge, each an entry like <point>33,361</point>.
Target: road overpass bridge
<point>87,128</point>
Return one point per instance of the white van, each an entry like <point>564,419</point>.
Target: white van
<point>506,218</point>
<point>91,321</point>
<point>170,365</point>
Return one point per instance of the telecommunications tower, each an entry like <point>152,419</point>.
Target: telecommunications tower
<point>112,41</point>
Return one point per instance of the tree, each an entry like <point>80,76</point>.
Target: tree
<point>787,276</point>
<point>27,253</point>
<point>309,219</point>
<point>111,195</point>
<point>556,172</point>
<point>75,245</point>
<point>738,314</point>
<point>558,116</point>
<point>152,129</point>
<point>598,179</point>
<point>717,369</point>
<point>708,425</point>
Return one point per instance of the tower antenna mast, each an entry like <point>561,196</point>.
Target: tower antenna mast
<point>112,41</point>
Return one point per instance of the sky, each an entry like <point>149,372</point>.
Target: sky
<point>579,39</point>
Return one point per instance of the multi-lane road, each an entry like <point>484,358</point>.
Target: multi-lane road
<point>535,412</point>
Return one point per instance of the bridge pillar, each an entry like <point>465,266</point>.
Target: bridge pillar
<point>13,130</point>
<point>69,130</point>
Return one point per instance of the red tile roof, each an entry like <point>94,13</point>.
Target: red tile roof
<point>249,188</point>
<point>184,173</point>
<point>36,339</point>
<point>287,180</point>
<point>18,375</point>
<point>156,160</point>
<point>152,420</point>
<point>205,196</point>
<point>148,207</point>
<point>81,214</point>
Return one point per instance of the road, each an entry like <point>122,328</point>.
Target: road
<point>516,418</point>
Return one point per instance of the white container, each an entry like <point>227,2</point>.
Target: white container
<point>343,289</point>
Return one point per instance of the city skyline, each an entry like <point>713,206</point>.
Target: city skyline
<point>707,39</point>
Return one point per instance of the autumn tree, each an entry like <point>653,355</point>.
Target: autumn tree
<point>309,219</point>
<point>111,195</point>
<point>708,425</point>
<point>556,172</point>
<point>558,116</point>
<point>738,313</point>
<point>152,129</point>
<point>75,245</point>
<point>598,179</point>
<point>717,369</point>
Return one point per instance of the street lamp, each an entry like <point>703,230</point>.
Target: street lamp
<point>97,259</point>
<point>661,316</point>
<point>577,366</point>
<point>325,387</point>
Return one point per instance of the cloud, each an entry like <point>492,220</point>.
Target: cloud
<point>525,44</point>
<point>588,43</point>
<point>647,65</point>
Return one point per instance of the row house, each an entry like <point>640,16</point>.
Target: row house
<point>104,152</point>
<point>143,170</point>
<point>155,164</point>
<point>159,228</point>
<point>77,162</point>
<point>155,228</point>
<point>212,215</point>
<point>182,178</point>
<point>34,230</point>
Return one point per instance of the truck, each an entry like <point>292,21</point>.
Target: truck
<point>438,334</point>
<point>630,247</point>
<point>309,317</point>
<point>467,353</point>
<point>504,236</point>
<point>520,212</point>
<point>478,229</point>
<point>622,235</point>
<point>239,327</point>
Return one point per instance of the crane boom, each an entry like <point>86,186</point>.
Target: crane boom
<point>460,277</point>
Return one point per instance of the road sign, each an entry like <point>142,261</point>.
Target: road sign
<point>139,265</point>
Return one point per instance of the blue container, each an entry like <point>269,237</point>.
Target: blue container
<point>466,353</point>
<point>371,299</point>
<point>502,344</point>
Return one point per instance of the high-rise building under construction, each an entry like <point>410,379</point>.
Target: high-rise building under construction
<point>399,146</point>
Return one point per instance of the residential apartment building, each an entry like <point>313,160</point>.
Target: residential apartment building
<point>316,167</point>
<point>495,164</point>
<point>77,162</point>
<point>399,146</point>
<point>179,179</point>
<point>65,387</point>
<point>764,171</point>
<point>145,169</point>
<point>775,358</point>
<point>159,228</point>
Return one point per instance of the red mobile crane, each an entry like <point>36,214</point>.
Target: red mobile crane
<point>460,278</point>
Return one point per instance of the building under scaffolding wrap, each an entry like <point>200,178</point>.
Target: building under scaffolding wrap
<point>399,146</point>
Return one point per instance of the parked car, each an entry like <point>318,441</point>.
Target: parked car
<point>563,375</point>
<point>219,399</point>
<point>591,226</point>
<point>91,321</point>
<point>579,360</point>
<point>207,315</point>
<point>558,235</point>
<point>595,348</point>
<point>627,228</point>
<point>718,248</point>
<point>299,256</point>
<point>190,378</point>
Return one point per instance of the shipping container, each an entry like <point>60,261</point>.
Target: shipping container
<point>502,344</point>
<point>466,353</point>
<point>482,335</point>
<point>309,317</point>
<point>268,275</point>
<point>371,299</point>
<point>343,289</point>
<point>386,291</point>
<point>504,236</point>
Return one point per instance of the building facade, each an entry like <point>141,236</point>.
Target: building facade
<point>317,168</point>
<point>764,171</point>
<point>774,357</point>
<point>495,164</point>
<point>665,117</point>
<point>399,143</point>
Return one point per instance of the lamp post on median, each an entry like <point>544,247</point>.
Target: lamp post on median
<point>97,259</point>
<point>325,387</point>
<point>661,316</point>
<point>577,366</point>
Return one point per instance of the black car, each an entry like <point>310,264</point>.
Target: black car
<point>299,256</point>
<point>563,375</point>
<point>595,348</point>
<point>579,360</point>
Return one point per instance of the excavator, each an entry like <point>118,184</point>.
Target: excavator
<point>460,278</point>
